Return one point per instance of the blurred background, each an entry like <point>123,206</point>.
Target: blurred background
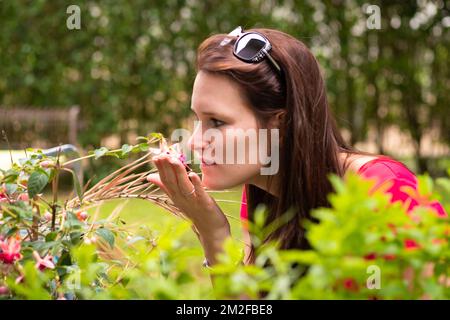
<point>129,70</point>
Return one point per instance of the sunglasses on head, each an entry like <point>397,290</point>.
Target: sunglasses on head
<point>250,47</point>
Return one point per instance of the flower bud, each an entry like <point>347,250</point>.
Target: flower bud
<point>24,197</point>
<point>82,215</point>
<point>48,216</point>
<point>47,164</point>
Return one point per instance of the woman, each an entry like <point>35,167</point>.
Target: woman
<point>267,79</point>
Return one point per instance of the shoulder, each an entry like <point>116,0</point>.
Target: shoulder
<point>397,178</point>
<point>385,167</point>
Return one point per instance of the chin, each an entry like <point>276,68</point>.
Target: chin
<point>216,184</point>
<point>215,178</point>
<point>221,177</point>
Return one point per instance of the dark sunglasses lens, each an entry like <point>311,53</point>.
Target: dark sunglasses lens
<point>249,46</point>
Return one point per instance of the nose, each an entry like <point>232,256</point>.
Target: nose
<point>195,141</point>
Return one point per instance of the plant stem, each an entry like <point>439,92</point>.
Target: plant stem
<point>55,191</point>
<point>86,157</point>
<point>36,218</point>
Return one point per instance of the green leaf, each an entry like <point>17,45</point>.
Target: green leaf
<point>77,185</point>
<point>135,239</point>
<point>10,188</point>
<point>117,154</point>
<point>142,138</point>
<point>11,175</point>
<point>36,183</point>
<point>75,237</point>
<point>51,236</point>
<point>424,185</point>
<point>143,147</point>
<point>11,232</point>
<point>65,259</point>
<point>42,246</point>
<point>126,148</point>
<point>184,277</point>
<point>72,221</point>
<point>100,152</point>
<point>157,135</point>
<point>107,235</point>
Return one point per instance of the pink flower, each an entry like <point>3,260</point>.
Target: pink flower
<point>182,158</point>
<point>3,197</point>
<point>19,279</point>
<point>10,250</point>
<point>47,164</point>
<point>351,285</point>
<point>4,290</point>
<point>48,216</point>
<point>411,244</point>
<point>43,263</point>
<point>24,197</point>
<point>370,256</point>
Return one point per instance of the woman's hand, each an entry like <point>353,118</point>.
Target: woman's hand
<point>187,193</point>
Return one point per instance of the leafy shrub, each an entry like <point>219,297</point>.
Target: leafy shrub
<point>363,247</point>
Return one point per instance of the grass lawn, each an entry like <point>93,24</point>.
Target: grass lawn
<point>138,212</point>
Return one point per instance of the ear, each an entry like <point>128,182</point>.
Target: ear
<point>276,120</point>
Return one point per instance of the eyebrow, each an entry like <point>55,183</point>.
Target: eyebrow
<point>207,113</point>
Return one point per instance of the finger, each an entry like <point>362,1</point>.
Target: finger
<point>162,175</point>
<point>183,181</point>
<point>197,182</point>
<point>156,179</point>
<point>168,178</point>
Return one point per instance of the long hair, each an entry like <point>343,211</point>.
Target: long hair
<point>310,141</point>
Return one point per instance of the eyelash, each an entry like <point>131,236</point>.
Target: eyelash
<point>217,123</point>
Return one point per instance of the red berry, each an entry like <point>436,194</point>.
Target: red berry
<point>82,215</point>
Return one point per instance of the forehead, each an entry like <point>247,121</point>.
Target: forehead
<point>214,92</point>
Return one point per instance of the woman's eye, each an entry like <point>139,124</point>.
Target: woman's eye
<point>216,123</point>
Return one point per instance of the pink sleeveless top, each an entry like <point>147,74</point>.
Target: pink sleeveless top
<point>383,169</point>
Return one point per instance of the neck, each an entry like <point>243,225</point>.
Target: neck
<point>270,184</point>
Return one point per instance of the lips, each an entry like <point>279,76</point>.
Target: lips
<point>208,163</point>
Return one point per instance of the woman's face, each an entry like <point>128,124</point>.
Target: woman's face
<point>223,115</point>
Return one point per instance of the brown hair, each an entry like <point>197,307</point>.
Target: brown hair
<point>310,140</point>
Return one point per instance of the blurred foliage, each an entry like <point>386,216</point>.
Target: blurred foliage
<point>363,248</point>
<point>131,66</point>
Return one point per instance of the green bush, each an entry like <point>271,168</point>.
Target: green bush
<point>363,247</point>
